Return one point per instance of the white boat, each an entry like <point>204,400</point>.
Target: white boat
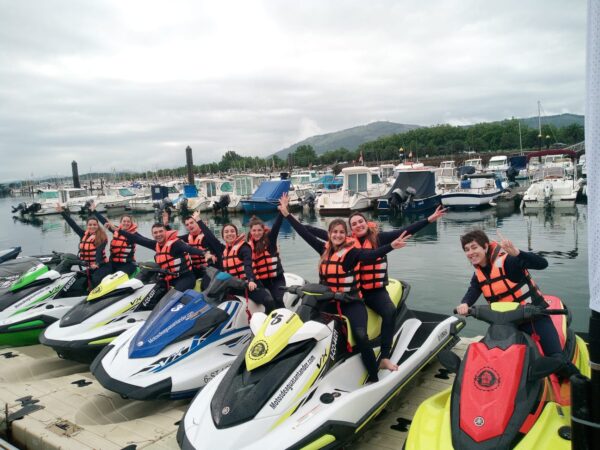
<point>118,198</point>
<point>447,178</point>
<point>560,160</point>
<point>497,164</point>
<point>72,199</point>
<point>475,162</point>
<point>475,191</point>
<point>158,194</point>
<point>360,190</point>
<point>553,187</point>
<point>213,191</point>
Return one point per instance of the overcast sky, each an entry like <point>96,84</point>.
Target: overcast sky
<point>129,84</point>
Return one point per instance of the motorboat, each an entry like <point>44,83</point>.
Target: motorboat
<point>476,190</point>
<point>360,190</point>
<point>554,184</point>
<point>477,163</point>
<point>497,164</point>
<point>447,178</point>
<point>214,192</point>
<point>413,191</point>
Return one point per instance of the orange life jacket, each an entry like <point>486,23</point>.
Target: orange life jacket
<point>333,275</point>
<point>264,264</point>
<point>121,250</point>
<point>496,287</point>
<point>166,261</point>
<point>87,248</point>
<point>372,275</point>
<point>232,264</point>
<point>198,262</point>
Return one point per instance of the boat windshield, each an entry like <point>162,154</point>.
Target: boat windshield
<point>226,187</point>
<point>124,192</point>
<point>77,193</point>
<point>48,195</point>
<point>357,182</point>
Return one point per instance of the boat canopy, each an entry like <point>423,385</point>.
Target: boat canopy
<point>422,181</point>
<point>270,191</point>
<point>518,162</point>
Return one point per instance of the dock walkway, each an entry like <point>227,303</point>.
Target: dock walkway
<point>55,404</point>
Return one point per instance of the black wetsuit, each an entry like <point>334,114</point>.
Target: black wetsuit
<point>354,311</point>
<point>514,266</point>
<point>97,274</point>
<point>379,299</point>
<point>260,295</point>
<point>128,267</point>
<point>274,284</point>
<point>185,280</point>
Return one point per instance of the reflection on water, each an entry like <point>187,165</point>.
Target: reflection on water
<point>433,262</point>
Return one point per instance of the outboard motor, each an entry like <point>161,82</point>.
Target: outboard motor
<point>33,208</point>
<point>222,203</point>
<point>397,198</point>
<point>21,207</point>
<point>309,199</point>
<point>548,192</point>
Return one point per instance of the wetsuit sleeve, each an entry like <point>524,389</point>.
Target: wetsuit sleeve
<point>473,293</point>
<point>182,247</point>
<point>139,239</point>
<point>274,233</point>
<point>514,265</point>
<point>76,228</point>
<point>246,257</point>
<point>356,255</point>
<point>99,253</point>
<point>318,232</point>
<point>386,237</point>
<point>211,241</point>
<point>310,239</point>
<point>100,217</point>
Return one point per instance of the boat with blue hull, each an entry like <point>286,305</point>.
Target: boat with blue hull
<point>266,198</point>
<point>413,191</point>
<point>476,190</point>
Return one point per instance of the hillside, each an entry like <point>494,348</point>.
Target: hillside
<point>350,138</point>
<point>559,120</point>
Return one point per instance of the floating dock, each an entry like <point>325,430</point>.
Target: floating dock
<point>48,403</point>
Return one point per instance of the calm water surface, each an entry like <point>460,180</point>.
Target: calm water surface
<point>432,263</point>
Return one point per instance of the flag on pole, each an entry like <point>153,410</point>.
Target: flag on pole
<point>360,158</point>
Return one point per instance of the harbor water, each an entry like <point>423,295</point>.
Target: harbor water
<point>433,262</point>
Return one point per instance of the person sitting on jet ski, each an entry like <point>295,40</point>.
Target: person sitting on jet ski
<point>374,274</point>
<point>172,255</point>
<point>195,238</point>
<point>92,245</point>
<point>501,275</point>
<point>340,258</point>
<point>266,262</point>
<point>122,249</point>
<point>235,257</point>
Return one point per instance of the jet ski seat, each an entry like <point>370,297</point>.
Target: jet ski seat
<point>396,290</point>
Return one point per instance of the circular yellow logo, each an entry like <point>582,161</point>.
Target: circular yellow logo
<point>259,350</point>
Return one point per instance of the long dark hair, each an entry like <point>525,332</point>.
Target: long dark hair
<point>372,231</point>
<point>263,244</point>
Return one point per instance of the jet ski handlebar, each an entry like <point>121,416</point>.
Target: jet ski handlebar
<point>156,269</point>
<point>320,293</point>
<point>522,313</point>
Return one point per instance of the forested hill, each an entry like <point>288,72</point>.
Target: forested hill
<point>559,120</point>
<point>350,138</point>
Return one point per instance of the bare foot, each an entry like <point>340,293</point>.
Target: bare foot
<point>387,364</point>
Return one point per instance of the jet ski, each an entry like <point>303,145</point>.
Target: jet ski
<point>187,340</point>
<point>505,394</point>
<point>116,305</point>
<point>38,298</point>
<point>296,384</point>
<point>20,279</point>
<point>9,253</point>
